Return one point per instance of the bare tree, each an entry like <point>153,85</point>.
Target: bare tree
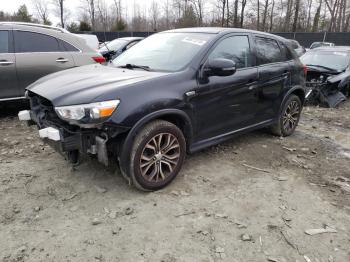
<point>296,15</point>
<point>198,6</point>
<point>154,15</point>
<point>90,7</point>
<point>42,9</point>
<point>266,5</point>
<point>60,9</point>
<point>243,5</point>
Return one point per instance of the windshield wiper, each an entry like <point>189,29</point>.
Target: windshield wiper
<point>324,67</point>
<point>132,66</point>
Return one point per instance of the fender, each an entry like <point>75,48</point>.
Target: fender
<point>123,157</point>
<point>292,90</point>
<point>287,94</point>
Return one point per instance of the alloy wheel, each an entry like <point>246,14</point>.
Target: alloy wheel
<point>159,157</point>
<point>291,115</point>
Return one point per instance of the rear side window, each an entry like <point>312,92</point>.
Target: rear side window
<point>33,42</point>
<point>267,51</point>
<point>286,52</point>
<point>4,41</point>
<point>235,48</point>
<point>67,47</point>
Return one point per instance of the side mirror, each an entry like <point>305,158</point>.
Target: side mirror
<point>220,67</point>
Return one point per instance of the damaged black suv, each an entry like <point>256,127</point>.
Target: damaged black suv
<point>176,92</point>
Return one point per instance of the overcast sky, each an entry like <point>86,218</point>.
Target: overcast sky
<point>72,5</point>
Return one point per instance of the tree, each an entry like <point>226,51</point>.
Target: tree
<point>198,6</point>
<point>84,27</point>
<point>73,27</point>
<point>154,15</point>
<point>60,10</point>
<point>22,15</point>
<point>90,7</point>
<point>243,5</point>
<point>119,25</point>
<point>296,15</point>
<point>42,10</point>
<point>188,18</point>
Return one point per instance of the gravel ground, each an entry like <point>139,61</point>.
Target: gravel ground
<point>253,198</point>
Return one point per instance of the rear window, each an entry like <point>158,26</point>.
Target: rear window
<point>287,53</point>
<point>4,41</point>
<point>28,42</point>
<point>268,51</point>
<point>295,44</point>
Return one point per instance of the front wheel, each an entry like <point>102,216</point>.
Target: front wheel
<point>289,117</point>
<point>157,155</point>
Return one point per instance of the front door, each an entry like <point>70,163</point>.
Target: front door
<point>8,77</point>
<point>38,55</point>
<point>225,104</point>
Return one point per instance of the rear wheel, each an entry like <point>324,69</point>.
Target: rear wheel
<point>157,155</point>
<point>289,117</point>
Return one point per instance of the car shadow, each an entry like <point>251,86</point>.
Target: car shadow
<point>11,108</point>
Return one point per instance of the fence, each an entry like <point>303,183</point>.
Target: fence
<point>108,36</point>
<point>305,39</point>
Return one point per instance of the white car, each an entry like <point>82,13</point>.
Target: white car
<point>91,40</point>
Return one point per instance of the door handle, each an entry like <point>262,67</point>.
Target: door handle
<point>190,93</point>
<point>252,85</point>
<point>6,63</point>
<point>62,60</point>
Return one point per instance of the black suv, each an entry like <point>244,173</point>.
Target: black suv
<point>175,92</point>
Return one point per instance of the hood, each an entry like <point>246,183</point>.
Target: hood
<point>85,84</point>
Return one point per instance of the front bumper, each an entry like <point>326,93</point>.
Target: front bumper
<point>91,142</point>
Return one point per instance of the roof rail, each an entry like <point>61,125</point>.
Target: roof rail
<point>62,30</point>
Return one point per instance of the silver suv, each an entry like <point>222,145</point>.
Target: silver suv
<point>30,51</point>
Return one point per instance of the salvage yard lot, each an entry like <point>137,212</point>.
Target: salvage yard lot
<point>249,199</point>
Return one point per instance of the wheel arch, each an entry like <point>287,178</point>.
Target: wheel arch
<point>174,116</point>
<point>299,91</point>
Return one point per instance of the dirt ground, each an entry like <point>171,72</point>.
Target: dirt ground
<point>250,199</point>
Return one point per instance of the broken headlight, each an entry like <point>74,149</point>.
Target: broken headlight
<point>92,111</point>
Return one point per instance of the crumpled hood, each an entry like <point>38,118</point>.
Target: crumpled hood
<point>85,84</point>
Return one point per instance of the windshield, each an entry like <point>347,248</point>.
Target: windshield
<point>169,52</point>
<point>336,60</point>
<point>114,45</point>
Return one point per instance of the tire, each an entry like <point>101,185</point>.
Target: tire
<point>287,122</point>
<point>157,155</point>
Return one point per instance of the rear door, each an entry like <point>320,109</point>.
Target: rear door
<point>8,77</point>
<point>274,76</point>
<point>38,55</point>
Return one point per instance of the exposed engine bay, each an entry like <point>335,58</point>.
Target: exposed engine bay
<point>326,88</point>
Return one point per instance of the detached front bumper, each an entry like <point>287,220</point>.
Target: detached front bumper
<point>89,142</point>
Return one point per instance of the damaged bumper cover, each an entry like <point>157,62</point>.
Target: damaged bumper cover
<point>326,89</point>
<point>71,143</point>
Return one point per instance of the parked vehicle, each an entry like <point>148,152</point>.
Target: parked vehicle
<point>31,51</point>
<point>175,92</point>
<point>300,50</point>
<point>91,40</point>
<point>328,75</point>
<point>321,44</point>
<point>116,47</point>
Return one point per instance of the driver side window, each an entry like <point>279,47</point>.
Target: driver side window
<point>235,48</point>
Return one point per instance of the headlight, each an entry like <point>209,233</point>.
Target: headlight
<point>91,111</point>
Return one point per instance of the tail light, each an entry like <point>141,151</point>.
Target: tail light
<point>305,70</point>
<point>99,59</point>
